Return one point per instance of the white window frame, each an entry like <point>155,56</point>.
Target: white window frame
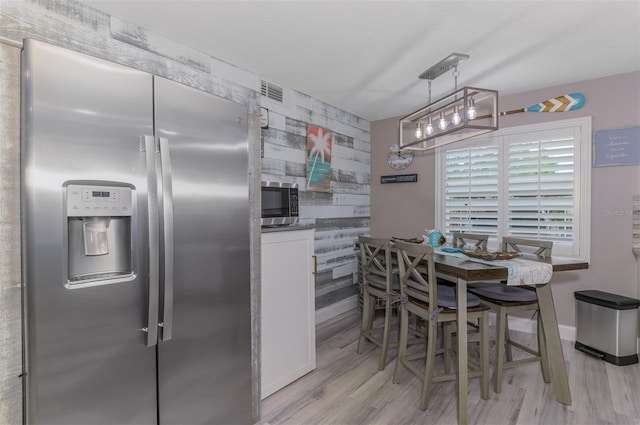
<point>581,128</point>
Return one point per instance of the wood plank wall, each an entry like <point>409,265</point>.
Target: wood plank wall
<point>10,279</point>
<point>339,216</point>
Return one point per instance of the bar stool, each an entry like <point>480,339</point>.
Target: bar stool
<point>423,297</point>
<point>460,240</point>
<point>378,283</point>
<point>505,300</point>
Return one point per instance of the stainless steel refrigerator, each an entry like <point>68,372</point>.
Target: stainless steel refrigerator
<point>135,247</point>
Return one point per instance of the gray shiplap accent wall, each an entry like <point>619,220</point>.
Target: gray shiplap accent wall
<point>10,280</point>
<point>337,260</point>
<point>338,217</point>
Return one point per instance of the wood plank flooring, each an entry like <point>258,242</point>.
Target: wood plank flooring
<point>346,388</point>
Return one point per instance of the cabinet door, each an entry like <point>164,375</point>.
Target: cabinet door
<point>288,308</point>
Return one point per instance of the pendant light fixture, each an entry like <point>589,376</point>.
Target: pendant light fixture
<point>464,113</point>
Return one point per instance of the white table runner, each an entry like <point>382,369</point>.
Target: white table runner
<point>521,271</point>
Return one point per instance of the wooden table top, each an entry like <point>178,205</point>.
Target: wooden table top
<point>472,270</point>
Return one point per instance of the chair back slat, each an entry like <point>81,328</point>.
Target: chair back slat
<point>479,240</point>
<point>538,247</point>
<point>376,260</point>
<point>417,271</point>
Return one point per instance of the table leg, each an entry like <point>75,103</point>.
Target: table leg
<point>554,345</point>
<point>463,374</point>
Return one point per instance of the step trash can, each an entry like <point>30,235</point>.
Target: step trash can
<point>607,326</point>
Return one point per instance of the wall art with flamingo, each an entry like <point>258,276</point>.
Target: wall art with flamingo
<point>318,159</point>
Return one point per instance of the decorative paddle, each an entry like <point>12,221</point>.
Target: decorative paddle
<point>564,103</point>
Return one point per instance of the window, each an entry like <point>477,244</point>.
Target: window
<point>530,181</point>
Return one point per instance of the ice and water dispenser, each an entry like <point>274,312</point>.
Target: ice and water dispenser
<point>99,233</point>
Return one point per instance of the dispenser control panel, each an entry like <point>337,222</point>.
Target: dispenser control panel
<point>101,201</point>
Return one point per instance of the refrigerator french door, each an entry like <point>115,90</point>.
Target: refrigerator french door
<point>135,219</point>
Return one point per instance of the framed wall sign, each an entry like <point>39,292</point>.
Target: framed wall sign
<point>318,159</point>
<point>620,146</point>
<point>399,178</point>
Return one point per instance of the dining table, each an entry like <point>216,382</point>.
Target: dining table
<point>462,271</point>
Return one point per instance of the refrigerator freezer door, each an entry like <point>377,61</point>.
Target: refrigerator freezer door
<point>86,361</point>
<point>204,371</point>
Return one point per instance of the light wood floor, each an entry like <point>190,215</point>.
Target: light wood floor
<point>346,388</point>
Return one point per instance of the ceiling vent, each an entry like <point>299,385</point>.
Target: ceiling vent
<point>271,91</point>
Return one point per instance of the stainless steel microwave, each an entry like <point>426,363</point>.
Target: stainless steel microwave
<point>279,204</point>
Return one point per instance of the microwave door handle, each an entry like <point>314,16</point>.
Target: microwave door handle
<point>168,250</point>
<point>154,256</point>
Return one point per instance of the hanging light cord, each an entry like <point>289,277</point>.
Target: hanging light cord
<point>455,77</point>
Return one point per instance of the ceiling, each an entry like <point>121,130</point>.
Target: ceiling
<point>365,56</point>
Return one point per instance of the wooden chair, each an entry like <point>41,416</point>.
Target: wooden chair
<point>461,239</point>
<point>505,300</point>
<point>539,248</point>
<point>378,284</point>
<point>423,297</point>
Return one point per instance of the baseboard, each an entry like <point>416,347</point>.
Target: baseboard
<point>335,309</point>
<point>516,323</point>
<point>521,324</point>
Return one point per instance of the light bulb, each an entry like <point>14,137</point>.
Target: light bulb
<point>442,124</point>
<point>429,128</point>
<point>456,119</point>
<point>418,131</point>
<point>471,110</point>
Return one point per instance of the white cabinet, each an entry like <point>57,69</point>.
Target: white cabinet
<point>288,308</point>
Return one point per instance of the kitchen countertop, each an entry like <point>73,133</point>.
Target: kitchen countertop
<point>287,228</point>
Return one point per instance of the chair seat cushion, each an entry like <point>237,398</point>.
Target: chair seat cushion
<point>502,292</point>
<point>447,297</point>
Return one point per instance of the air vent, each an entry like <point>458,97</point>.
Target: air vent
<point>271,91</point>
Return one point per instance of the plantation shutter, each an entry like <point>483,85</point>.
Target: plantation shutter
<point>471,190</point>
<point>531,182</point>
<point>540,185</point>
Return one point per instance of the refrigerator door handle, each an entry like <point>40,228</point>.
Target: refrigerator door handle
<point>151,329</point>
<point>167,219</point>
